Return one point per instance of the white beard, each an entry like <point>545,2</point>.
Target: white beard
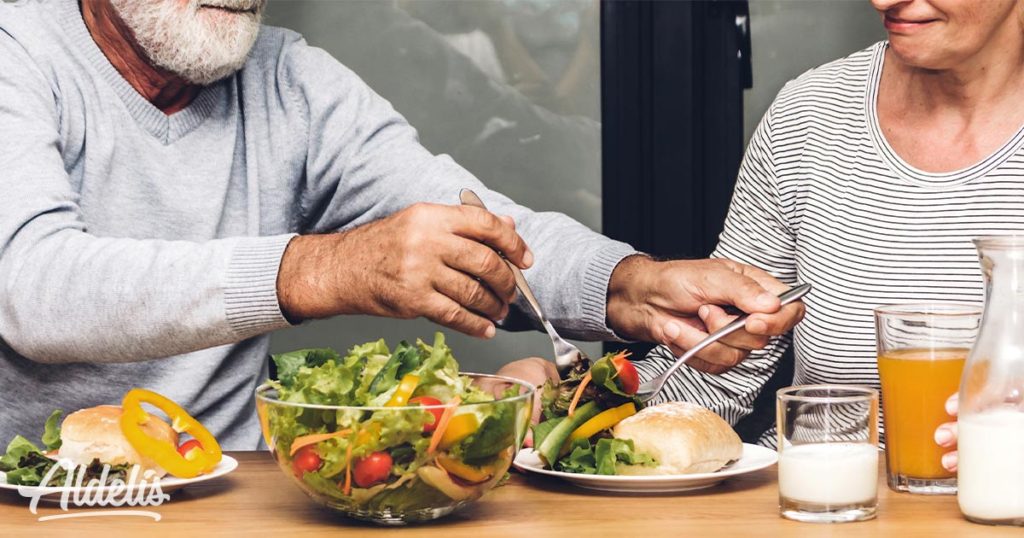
<point>198,43</point>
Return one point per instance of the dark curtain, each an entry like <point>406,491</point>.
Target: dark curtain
<point>673,75</point>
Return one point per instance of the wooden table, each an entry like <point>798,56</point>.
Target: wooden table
<point>258,500</point>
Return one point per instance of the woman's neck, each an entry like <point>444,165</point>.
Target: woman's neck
<point>943,120</point>
<point>985,81</point>
<point>167,91</point>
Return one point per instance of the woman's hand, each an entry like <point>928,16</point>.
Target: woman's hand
<point>674,303</point>
<point>946,434</point>
<point>535,371</point>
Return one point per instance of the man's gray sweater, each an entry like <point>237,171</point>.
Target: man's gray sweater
<point>142,250</point>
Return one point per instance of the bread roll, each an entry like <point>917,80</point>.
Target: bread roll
<point>683,438</point>
<point>95,433</point>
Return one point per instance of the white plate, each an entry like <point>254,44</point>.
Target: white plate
<point>754,458</point>
<point>167,484</point>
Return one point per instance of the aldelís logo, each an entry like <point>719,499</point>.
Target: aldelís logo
<point>142,488</point>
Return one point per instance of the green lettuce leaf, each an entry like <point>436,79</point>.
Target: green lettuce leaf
<point>51,431</point>
<point>580,459</point>
<point>439,372</point>
<point>601,457</point>
<point>18,448</point>
<point>32,468</point>
<point>30,476</point>
<point>327,384</point>
<point>328,487</point>
<point>369,360</point>
<point>496,433</point>
<point>413,495</point>
<point>542,429</point>
<point>405,358</point>
<point>288,364</point>
<point>603,374</point>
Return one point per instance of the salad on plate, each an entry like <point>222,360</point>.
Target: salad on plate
<point>109,444</point>
<point>579,413</point>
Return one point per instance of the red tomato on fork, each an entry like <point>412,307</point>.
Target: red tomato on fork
<point>626,373</point>
<point>437,411</point>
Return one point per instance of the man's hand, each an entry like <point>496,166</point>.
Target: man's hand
<point>434,261</point>
<point>674,303</point>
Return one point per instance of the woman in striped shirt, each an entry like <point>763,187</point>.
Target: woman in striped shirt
<point>868,177</point>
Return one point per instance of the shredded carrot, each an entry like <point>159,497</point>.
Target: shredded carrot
<point>312,439</point>
<point>579,392</point>
<point>348,470</point>
<point>442,424</point>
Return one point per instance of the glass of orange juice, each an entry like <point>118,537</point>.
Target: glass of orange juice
<point>921,353</point>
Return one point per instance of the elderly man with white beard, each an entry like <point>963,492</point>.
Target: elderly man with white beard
<point>177,181</point>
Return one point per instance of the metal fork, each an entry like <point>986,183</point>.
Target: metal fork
<point>651,388</point>
<point>566,355</point>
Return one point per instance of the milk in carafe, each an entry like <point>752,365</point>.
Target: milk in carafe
<point>991,420</point>
<point>991,465</point>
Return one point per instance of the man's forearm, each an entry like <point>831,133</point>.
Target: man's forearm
<point>73,297</point>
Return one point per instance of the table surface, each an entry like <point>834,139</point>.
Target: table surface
<point>257,499</point>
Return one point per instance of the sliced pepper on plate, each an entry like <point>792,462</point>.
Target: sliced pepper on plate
<point>165,453</point>
<point>603,421</point>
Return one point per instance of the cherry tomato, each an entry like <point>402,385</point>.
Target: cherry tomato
<point>628,377</point>
<point>437,411</point>
<point>306,460</point>
<point>372,469</point>
<point>187,447</point>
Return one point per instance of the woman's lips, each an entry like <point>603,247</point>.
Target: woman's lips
<point>902,26</point>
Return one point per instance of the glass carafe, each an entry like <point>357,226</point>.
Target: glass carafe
<point>991,422</point>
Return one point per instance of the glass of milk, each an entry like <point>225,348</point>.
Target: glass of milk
<point>828,453</point>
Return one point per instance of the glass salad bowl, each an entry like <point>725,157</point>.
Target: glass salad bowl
<point>397,464</point>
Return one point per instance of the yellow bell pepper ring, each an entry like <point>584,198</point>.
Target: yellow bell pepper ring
<point>404,391</point>
<point>166,454</point>
<point>603,421</point>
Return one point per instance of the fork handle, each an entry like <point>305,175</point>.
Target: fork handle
<point>468,197</point>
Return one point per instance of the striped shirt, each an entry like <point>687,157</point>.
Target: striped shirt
<point>822,198</point>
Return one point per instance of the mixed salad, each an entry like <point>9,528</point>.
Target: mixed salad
<point>381,452</point>
<point>25,464</point>
<point>579,413</point>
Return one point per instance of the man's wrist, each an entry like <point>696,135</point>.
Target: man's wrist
<point>305,283</point>
<point>629,287</point>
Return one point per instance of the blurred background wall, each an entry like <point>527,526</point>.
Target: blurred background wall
<point>511,89</point>
<point>791,36</point>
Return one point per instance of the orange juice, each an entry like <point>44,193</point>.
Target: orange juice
<point>915,386</point>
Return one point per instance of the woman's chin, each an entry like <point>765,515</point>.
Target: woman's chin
<point>917,53</point>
